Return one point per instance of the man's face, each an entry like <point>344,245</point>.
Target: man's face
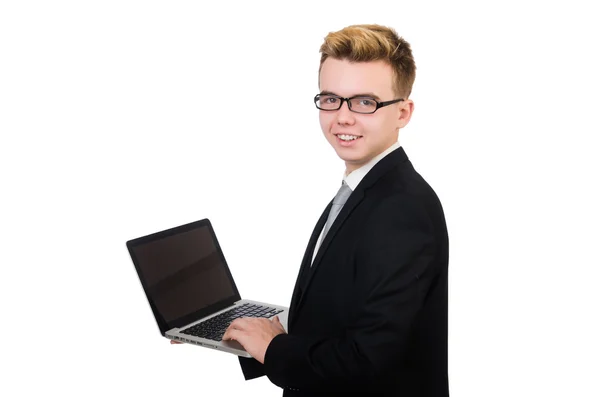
<point>377,131</point>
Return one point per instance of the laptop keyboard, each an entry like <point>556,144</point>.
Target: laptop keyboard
<point>215,327</point>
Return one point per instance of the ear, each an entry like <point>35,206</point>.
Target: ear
<point>405,111</point>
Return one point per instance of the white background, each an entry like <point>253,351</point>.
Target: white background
<point>122,118</point>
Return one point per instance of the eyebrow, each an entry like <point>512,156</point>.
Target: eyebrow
<point>365,94</point>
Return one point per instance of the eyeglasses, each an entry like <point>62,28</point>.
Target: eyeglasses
<point>357,104</point>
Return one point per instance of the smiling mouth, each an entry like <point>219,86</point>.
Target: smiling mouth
<point>347,137</point>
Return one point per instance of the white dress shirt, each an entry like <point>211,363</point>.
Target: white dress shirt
<point>354,178</point>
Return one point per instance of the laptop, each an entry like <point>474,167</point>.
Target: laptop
<point>190,288</point>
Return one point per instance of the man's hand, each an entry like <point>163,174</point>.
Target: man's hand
<point>255,334</point>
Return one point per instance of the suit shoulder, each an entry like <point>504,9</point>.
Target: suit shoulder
<point>404,181</point>
<point>403,189</point>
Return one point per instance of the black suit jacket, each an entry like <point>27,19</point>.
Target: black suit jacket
<point>371,314</point>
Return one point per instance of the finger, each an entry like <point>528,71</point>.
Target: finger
<point>278,325</point>
<point>234,325</point>
<point>277,322</point>
<point>231,334</point>
<point>252,320</point>
<point>239,323</point>
<point>174,342</point>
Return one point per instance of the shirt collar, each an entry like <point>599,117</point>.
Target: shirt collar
<point>354,178</point>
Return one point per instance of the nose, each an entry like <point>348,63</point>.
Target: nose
<point>344,115</point>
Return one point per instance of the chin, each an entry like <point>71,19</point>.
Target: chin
<point>350,159</point>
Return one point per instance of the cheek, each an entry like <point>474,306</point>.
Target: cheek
<point>392,119</point>
<point>380,126</point>
<point>370,126</point>
<point>325,121</point>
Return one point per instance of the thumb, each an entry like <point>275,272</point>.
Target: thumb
<point>276,319</point>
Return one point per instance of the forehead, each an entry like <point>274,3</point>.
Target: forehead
<point>350,78</point>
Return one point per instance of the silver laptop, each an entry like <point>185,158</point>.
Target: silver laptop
<point>190,288</point>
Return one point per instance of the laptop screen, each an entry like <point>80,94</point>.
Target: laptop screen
<point>184,273</point>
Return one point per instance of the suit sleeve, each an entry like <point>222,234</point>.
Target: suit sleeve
<point>395,267</point>
<point>251,368</point>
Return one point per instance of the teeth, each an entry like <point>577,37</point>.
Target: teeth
<point>348,137</point>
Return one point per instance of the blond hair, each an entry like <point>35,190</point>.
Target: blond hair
<point>366,43</point>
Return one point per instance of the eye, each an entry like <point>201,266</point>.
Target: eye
<point>366,102</point>
<point>329,100</point>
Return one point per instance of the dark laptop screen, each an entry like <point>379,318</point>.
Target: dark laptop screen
<point>183,272</point>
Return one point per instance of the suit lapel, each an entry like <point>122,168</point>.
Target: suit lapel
<point>310,271</point>
<point>307,272</point>
<point>308,254</point>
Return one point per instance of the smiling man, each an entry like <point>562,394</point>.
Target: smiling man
<point>360,131</point>
<point>369,312</point>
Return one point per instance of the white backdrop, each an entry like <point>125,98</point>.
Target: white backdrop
<point>121,118</point>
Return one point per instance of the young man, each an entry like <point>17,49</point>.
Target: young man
<point>369,312</point>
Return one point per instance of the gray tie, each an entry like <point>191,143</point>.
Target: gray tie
<point>338,202</point>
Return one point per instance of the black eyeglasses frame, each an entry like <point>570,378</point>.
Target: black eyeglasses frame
<point>347,100</point>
